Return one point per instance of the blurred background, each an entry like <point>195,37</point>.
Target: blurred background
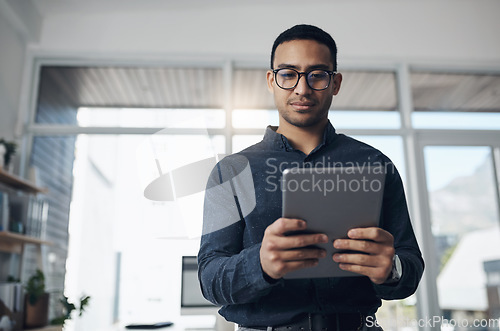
<point>85,85</point>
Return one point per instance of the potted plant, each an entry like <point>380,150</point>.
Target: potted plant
<point>7,150</point>
<point>36,307</point>
<point>69,307</point>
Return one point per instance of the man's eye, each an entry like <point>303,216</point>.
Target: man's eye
<point>288,75</point>
<point>318,75</point>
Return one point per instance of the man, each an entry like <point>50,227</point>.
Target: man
<point>242,261</point>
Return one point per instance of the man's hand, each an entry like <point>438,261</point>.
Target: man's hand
<point>281,253</point>
<point>378,248</point>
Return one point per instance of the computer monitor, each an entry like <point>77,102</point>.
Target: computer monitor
<point>192,300</point>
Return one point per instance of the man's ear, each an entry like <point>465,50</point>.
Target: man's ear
<point>270,81</point>
<point>337,81</point>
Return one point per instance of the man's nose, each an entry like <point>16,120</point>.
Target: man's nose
<point>302,86</point>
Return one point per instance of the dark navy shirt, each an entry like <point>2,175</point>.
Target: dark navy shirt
<point>243,198</point>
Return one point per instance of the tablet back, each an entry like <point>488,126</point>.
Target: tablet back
<point>332,201</point>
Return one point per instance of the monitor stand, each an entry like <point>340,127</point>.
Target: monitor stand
<point>212,322</point>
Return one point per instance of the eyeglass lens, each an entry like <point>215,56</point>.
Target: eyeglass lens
<point>316,79</point>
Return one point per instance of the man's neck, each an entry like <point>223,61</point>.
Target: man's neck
<point>305,139</point>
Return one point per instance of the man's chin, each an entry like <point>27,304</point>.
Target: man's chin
<point>303,121</point>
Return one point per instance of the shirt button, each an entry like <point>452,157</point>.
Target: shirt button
<point>282,146</point>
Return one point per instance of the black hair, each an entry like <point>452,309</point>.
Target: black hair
<point>307,32</point>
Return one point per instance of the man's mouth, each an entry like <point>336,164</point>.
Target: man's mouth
<point>302,106</point>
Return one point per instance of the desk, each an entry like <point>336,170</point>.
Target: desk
<point>191,323</point>
<point>182,323</point>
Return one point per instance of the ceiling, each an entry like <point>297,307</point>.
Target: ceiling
<point>62,7</point>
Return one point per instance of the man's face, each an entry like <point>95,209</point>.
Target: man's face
<point>303,106</point>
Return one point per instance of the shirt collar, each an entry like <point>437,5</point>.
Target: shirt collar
<point>278,141</point>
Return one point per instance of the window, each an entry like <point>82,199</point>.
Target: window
<point>455,92</point>
<point>464,208</point>
<point>104,118</point>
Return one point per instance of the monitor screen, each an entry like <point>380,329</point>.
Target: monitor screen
<point>192,300</point>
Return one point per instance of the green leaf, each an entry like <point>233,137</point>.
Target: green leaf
<point>35,287</point>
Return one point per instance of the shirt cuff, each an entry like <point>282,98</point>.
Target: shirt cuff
<point>254,273</point>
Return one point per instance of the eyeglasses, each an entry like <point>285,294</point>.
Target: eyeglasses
<point>317,80</point>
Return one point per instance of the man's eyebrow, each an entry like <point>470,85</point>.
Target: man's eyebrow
<point>313,67</point>
<point>319,66</point>
<point>285,65</point>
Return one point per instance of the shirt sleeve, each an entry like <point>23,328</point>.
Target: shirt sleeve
<point>228,273</point>
<point>396,220</point>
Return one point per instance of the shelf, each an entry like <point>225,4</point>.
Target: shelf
<point>19,183</point>
<point>13,242</point>
<point>47,328</point>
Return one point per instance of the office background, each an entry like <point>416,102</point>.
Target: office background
<point>422,82</point>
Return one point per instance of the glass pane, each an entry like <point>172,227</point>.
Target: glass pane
<point>465,224</point>
<point>391,146</point>
<point>399,315</point>
<point>254,118</point>
<point>449,120</point>
<point>111,219</point>
<point>365,119</point>
<point>366,90</point>
<point>250,89</point>
<point>241,142</point>
<point>64,89</point>
<point>52,161</point>
<point>455,92</point>
<point>151,118</point>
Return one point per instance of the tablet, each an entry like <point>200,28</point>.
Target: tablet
<point>332,201</point>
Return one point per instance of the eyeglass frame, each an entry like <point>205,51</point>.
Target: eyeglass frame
<point>330,73</point>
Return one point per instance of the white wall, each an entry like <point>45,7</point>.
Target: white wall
<point>12,52</point>
<point>450,30</point>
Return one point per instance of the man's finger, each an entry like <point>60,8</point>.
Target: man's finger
<point>280,266</point>
<point>284,225</point>
<point>373,233</point>
<point>298,241</point>
<point>359,259</point>
<point>364,246</point>
<point>303,254</point>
